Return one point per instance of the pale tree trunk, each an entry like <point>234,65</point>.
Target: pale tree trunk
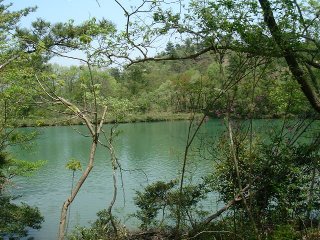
<point>65,207</point>
<point>94,128</point>
<point>114,164</point>
<point>241,189</point>
<point>75,190</point>
<point>231,203</point>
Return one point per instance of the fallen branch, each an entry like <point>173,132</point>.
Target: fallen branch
<point>221,232</point>
<point>237,198</point>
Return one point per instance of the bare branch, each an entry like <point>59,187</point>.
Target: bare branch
<point>77,111</point>
<point>172,58</point>
<point>231,203</point>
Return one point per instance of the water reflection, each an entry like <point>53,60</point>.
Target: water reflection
<point>144,149</point>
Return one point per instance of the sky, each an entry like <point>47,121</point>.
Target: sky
<point>64,10</point>
<point>79,10</point>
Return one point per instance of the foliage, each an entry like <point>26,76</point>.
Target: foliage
<point>119,108</point>
<point>285,232</point>
<point>10,167</point>
<point>15,219</point>
<point>66,36</point>
<point>142,90</point>
<point>159,202</point>
<point>17,93</point>
<point>74,165</point>
<point>151,201</point>
<point>278,172</point>
<point>102,228</point>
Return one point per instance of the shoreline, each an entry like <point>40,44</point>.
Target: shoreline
<point>132,118</point>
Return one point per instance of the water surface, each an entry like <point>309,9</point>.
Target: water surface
<point>147,152</point>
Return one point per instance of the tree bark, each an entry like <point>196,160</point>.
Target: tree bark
<point>235,161</point>
<point>95,138</point>
<point>75,191</point>
<point>297,71</point>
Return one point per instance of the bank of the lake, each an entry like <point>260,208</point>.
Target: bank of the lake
<point>130,118</point>
<point>42,121</point>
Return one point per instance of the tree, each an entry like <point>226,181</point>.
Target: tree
<point>17,95</point>
<point>234,31</point>
<point>285,33</point>
<point>95,94</point>
<point>16,218</point>
<point>284,30</point>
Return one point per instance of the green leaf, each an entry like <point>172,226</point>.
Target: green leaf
<point>74,165</point>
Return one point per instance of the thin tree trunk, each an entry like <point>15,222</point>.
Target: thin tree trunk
<point>235,160</point>
<point>190,139</point>
<point>75,191</point>
<point>115,188</point>
<point>14,57</point>
<point>95,137</point>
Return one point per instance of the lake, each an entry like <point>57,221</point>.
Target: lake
<point>147,151</point>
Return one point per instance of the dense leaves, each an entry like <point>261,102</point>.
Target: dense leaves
<point>14,219</point>
<point>160,202</point>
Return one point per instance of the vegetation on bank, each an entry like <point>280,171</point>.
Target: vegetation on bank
<point>147,117</point>
<point>237,60</point>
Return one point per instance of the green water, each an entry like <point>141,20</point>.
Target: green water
<point>148,151</point>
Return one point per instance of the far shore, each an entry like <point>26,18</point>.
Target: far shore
<point>131,118</point>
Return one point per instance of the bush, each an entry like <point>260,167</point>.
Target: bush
<point>160,203</point>
<point>285,232</point>
<point>105,227</point>
<point>15,219</point>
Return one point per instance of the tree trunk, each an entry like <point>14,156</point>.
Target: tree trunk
<point>293,64</point>
<point>75,191</point>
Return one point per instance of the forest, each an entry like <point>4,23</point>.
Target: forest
<point>239,61</point>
